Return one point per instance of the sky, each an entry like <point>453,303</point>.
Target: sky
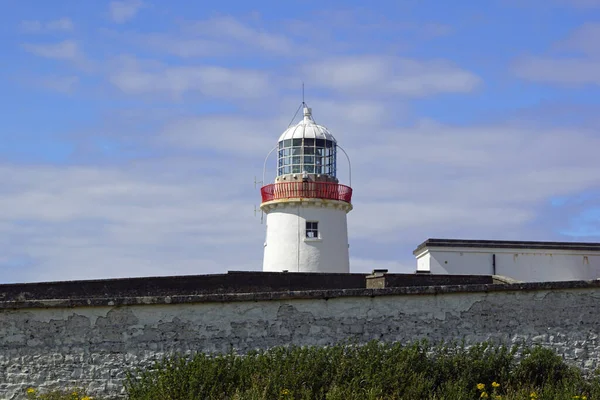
<point>134,131</point>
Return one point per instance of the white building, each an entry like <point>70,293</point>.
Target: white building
<point>306,206</point>
<point>522,261</point>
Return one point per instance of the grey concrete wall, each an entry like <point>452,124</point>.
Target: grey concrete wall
<point>62,344</point>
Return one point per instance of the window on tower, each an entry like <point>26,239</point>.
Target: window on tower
<point>312,229</point>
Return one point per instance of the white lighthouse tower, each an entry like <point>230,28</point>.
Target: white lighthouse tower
<point>306,206</point>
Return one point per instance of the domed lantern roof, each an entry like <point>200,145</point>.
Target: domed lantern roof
<point>307,128</point>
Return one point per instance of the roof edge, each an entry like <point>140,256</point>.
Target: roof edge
<point>504,244</point>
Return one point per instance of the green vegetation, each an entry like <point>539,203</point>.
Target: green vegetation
<point>373,371</point>
<point>73,394</point>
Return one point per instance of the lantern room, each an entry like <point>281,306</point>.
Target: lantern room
<point>307,148</point>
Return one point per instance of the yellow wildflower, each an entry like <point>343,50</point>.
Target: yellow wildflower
<point>285,392</point>
<point>480,386</point>
<point>495,384</point>
<point>583,397</point>
<point>533,395</point>
<point>30,391</point>
<point>484,395</point>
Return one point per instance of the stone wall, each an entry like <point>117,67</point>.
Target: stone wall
<point>58,343</point>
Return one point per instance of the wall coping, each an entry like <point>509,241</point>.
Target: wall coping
<point>115,301</point>
<point>505,244</point>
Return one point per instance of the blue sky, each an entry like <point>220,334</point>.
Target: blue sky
<point>133,130</point>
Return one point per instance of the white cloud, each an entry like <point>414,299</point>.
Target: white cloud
<point>229,29</point>
<point>65,50</point>
<point>395,221</point>
<point>61,84</point>
<point>438,180</point>
<point>240,136</point>
<point>31,26</point>
<point>363,113</point>
<point>581,3</point>
<point>387,75</point>
<point>85,222</point>
<point>175,81</point>
<point>182,45</point>
<point>585,40</point>
<point>123,11</point>
<point>63,24</point>
<point>572,70</point>
<point>574,4</point>
<point>218,37</point>
<point>34,26</point>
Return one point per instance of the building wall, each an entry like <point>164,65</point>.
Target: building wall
<point>424,263</point>
<point>519,264</point>
<point>286,245</point>
<point>67,343</point>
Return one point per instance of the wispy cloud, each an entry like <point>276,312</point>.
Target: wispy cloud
<point>61,84</point>
<point>250,135</point>
<point>566,69</point>
<point>573,4</point>
<point>35,26</point>
<point>105,215</point>
<point>65,50</point>
<point>219,36</point>
<point>176,81</point>
<point>583,215</point>
<point>576,71</point>
<point>343,30</point>
<point>182,45</point>
<point>231,29</point>
<point>123,11</point>
<point>585,40</point>
<point>582,3</point>
<point>388,75</point>
<point>489,180</point>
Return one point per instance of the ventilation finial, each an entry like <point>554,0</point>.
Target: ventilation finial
<point>307,114</point>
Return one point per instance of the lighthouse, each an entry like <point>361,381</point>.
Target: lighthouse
<point>306,207</point>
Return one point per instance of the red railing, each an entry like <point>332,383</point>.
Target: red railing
<point>310,190</point>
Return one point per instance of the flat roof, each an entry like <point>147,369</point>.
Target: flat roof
<point>507,244</point>
<point>182,285</point>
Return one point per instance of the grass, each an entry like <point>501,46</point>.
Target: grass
<point>72,394</point>
<point>374,371</point>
